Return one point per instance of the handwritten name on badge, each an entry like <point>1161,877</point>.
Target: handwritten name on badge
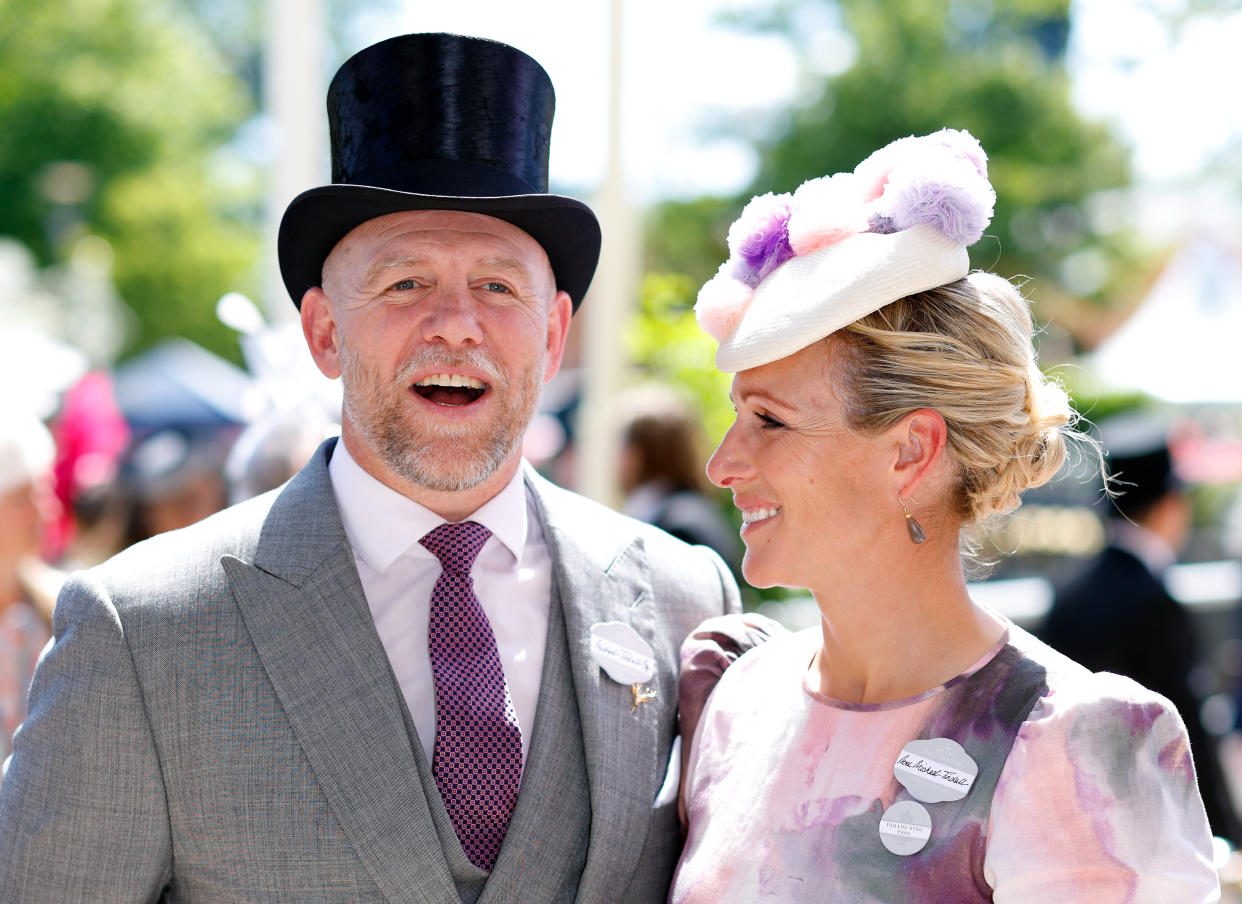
<point>935,770</point>
<point>621,652</point>
<point>905,828</point>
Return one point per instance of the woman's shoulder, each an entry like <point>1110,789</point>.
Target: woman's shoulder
<point>1099,781</point>
<point>1103,701</point>
<point>723,651</point>
<point>727,646</point>
<point>723,642</point>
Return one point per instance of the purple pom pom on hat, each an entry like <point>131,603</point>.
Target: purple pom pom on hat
<point>802,266</point>
<point>759,239</point>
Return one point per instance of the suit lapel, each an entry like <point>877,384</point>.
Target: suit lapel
<point>604,578</point>
<point>306,613</point>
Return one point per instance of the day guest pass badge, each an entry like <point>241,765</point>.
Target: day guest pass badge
<point>935,770</point>
<point>622,653</point>
<point>905,828</point>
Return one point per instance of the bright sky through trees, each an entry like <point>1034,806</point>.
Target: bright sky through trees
<point>683,72</point>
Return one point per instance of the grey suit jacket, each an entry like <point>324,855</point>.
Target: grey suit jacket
<point>217,721</point>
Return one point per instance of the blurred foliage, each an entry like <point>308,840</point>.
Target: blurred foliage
<point>171,207</point>
<point>666,340</point>
<point>1190,8</point>
<point>996,70</point>
<point>110,112</point>
<point>236,28</point>
<point>1094,403</point>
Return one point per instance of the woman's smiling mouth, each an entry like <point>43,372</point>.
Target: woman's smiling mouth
<point>753,516</point>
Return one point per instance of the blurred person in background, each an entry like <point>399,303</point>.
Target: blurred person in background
<point>101,524</point>
<point>662,472</point>
<point>275,447</point>
<point>91,435</point>
<point>172,478</point>
<point>28,586</point>
<point>1117,616</point>
<point>914,745</point>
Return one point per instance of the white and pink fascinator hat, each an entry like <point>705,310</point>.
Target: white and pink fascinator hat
<point>803,265</point>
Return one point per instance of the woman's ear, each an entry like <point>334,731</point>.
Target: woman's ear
<point>921,437</point>
<point>319,328</point>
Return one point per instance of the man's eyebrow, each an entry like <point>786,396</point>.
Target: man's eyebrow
<point>380,267</point>
<point>507,263</point>
<point>500,263</point>
<point>514,267</point>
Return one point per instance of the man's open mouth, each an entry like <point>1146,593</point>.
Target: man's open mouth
<point>450,389</point>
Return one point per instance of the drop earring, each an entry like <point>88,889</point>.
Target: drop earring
<point>917,535</point>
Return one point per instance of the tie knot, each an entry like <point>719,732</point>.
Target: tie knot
<point>456,545</point>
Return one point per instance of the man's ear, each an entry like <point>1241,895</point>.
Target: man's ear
<point>319,328</point>
<point>921,438</point>
<point>560,312</point>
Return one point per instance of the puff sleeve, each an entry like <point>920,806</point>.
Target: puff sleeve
<point>1098,802</point>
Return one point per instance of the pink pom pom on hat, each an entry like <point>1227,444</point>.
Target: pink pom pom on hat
<point>802,266</point>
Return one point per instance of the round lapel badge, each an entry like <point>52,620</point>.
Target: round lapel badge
<point>905,828</point>
<point>621,652</point>
<point>935,770</point>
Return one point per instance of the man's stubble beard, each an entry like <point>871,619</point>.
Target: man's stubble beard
<point>442,458</point>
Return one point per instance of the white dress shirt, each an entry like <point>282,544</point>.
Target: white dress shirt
<point>512,579</point>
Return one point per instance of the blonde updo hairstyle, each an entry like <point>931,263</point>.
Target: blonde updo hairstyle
<point>965,350</point>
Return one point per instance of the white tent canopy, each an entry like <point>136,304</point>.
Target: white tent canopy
<point>1183,344</point>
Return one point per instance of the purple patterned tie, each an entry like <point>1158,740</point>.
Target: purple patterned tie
<point>478,751</point>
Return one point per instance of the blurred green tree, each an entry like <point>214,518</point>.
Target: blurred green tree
<point>112,113</point>
<point>909,67</point>
<point>666,338</point>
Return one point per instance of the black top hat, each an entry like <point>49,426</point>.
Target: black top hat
<point>439,122</point>
<point>1140,462</point>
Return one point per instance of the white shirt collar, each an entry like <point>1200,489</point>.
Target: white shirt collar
<point>382,524</point>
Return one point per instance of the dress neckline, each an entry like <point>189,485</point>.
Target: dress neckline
<point>835,703</point>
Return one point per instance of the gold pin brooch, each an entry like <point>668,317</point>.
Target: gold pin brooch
<point>641,694</point>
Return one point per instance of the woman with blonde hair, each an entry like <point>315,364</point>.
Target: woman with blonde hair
<point>915,746</point>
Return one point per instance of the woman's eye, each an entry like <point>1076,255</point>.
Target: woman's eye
<point>403,285</point>
<point>767,422</point>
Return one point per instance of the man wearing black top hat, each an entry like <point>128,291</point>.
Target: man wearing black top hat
<point>417,672</point>
<point>1117,616</point>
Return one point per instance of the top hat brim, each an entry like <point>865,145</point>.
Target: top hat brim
<point>318,219</point>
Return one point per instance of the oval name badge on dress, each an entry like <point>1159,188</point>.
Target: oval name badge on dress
<point>905,828</point>
<point>622,653</point>
<point>935,770</point>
